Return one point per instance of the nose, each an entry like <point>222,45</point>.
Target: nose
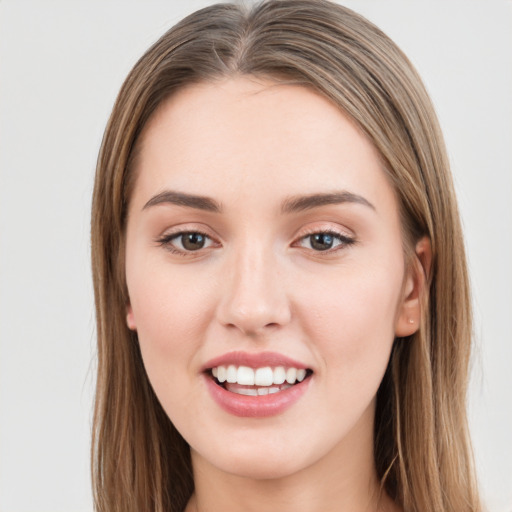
<point>254,297</point>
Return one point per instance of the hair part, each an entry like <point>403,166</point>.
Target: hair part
<point>422,449</point>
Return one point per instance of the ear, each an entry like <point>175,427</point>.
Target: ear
<point>130,318</point>
<point>409,311</point>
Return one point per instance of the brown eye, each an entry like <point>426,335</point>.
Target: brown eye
<point>186,242</point>
<point>192,241</point>
<point>321,241</point>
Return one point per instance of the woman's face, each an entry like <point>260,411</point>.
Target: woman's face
<point>264,245</point>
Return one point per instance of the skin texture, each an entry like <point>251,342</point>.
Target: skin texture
<point>259,285</point>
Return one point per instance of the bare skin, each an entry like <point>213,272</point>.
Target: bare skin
<point>325,284</point>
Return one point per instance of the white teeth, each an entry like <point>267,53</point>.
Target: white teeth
<point>231,374</point>
<point>247,391</point>
<point>291,375</point>
<point>264,376</point>
<point>221,373</point>
<point>279,375</point>
<point>245,376</point>
<point>254,391</point>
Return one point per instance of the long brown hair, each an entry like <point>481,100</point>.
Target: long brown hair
<point>422,449</point>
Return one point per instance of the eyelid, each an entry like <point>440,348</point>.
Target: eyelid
<point>325,227</point>
<point>187,227</point>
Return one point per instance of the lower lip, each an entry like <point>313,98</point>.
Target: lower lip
<point>256,406</point>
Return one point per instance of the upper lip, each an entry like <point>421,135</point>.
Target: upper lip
<point>254,360</point>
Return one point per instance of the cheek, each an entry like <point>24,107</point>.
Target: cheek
<point>352,319</point>
<point>167,301</point>
<point>351,328</point>
<point>170,311</point>
<point>168,322</point>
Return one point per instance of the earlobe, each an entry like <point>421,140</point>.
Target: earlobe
<point>409,314</point>
<point>130,319</point>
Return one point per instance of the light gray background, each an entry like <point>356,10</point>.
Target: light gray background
<point>61,65</point>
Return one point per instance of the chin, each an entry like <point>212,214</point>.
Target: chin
<point>258,460</point>
<point>261,468</point>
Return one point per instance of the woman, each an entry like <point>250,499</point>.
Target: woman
<point>281,321</point>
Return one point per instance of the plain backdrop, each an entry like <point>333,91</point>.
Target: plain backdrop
<point>61,66</point>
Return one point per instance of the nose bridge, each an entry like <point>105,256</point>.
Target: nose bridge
<point>255,296</point>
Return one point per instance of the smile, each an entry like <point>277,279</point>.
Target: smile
<point>247,381</point>
<point>256,384</point>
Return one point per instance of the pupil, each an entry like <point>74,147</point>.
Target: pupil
<point>192,241</point>
<point>321,241</point>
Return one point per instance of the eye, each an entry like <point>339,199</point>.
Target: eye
<point>186,241</point>
<point>325,241</point>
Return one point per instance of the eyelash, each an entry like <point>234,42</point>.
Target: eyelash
<point>345,241</point>
<point>166,241</point>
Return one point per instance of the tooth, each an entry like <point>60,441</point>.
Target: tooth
<point>263,376</point>
<point>247,391</point>
<point>279,375</point>
<point>262,391</point>
<point>231,374</point>
<point>291,375</point>
<point>214,372</point>
<point>221,373</point>
<point>245,376</point>
<point>273,390</point>
<point>301,374</point>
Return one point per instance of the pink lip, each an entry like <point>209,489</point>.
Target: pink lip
<point>255,406</point>
<point>258,360</point>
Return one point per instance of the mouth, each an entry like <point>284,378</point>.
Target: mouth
<point>247,381</point>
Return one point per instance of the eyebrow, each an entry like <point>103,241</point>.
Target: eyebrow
<point>301,203</point>
<point>290,205</point>
<point>182,199</point>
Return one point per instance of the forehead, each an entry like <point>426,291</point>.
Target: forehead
<point>249,136</point>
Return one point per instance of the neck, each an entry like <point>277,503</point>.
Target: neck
<point>341,481</point>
